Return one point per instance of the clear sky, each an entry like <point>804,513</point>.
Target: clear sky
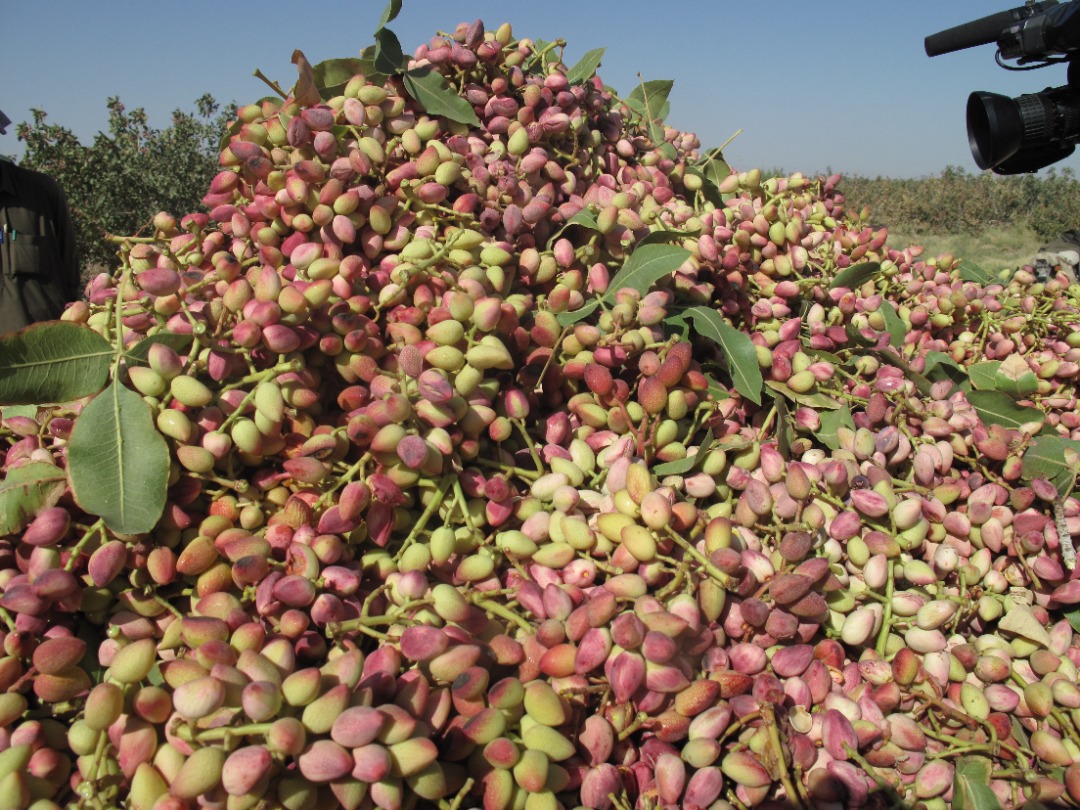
<point>813,86</point>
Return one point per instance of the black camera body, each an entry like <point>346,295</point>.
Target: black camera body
<point>1027,133</point>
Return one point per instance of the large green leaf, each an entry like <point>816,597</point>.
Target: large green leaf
<point>996,408</point>
<point>714,167</point>
<point>389,58</point>
<point>984,375</point>
<point>332,75</point>
<point>437,97</point>
<point>1045,458</point>
<point>1015,377</point>
<point>650,99</point>
<point>25,491</point>
<point>661,236</point>
<point>816,400</point>
<point>54,361</point>
<point>647,265</point>
<point>118,462</point>
<point>854,276</point>
<point>969,271</point>
<point>739,352</point>
<point>830,421</point>
<point>971,785</point>
<point>140,352</point>
<point>940,366</point>
<point>393,8</point>
<point>585,67</point>
<point>682,466</point>
<point>567,318</point>
<point>896,328</point>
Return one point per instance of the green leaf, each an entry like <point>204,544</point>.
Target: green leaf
<point>855,275</point>
<point>971,785</point>
<point>548,50</point>
<point>682,466</point>
<point>26,490</point>
<point>568,318</point>
<point>896,328</point>
<point>830,421</point>
<point>431,90</point>
<point>54,361</point>
<point>647,265</point>
<point>714,167</point>
<point>393,8</point>
<point>1015,377</point>
<point>389,58</point>
<point>138,354</point>
<point>969,271</point>
<point>585,218</point>
<point>19,410</point>
<point>739,352</point>
<point>817,400</point>
<point>716,390</point>
<point>677,323</point>
<point>939,366</point>
<point>585,67</point>
<point>984,375</point>
<point>1073,617</point>
<point>661,237</point>
<point>118,462</point>
<point>996,408</point>
<point>332,75</point>
<point>1045,458</point>
<point>649,99</point>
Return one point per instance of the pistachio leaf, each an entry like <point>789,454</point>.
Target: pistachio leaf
<point>305,91</point>
<point>331,76</point>
<point>647,265</point>
<point>739,353</point>
<point>1045,458</point>
<point>1021,621</point>
<point>682,466</point>
<point>650,99</point>
<point>996,408</point>
<point>893,325</point>
<point>431,90</point>
<point>1015,377</point>
<point>969,271</point>
<point>25,491</point>
<point>830,422</point>
<point>393,8</point>
<point>568,318</point>
<point>816,400</point>
<point>855,275</point>
<point>983,375</point>
<point>118,462</point>
<point>585,68</point>
<point>140,352</point>
<point>971,785</point>
<point>53,361</point>
<point>661,237</point>
<point>389,58</point>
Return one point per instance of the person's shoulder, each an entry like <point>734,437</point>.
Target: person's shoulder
<point>23,176</point>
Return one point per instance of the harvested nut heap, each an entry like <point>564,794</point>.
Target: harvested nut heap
<point>520,454</point>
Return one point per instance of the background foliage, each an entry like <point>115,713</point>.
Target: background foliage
<point>957,201</point>
<point>128,174</point>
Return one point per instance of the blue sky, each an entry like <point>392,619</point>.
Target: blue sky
<point>813,86</point>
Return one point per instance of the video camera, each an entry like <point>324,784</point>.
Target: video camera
<point>1027,133</point>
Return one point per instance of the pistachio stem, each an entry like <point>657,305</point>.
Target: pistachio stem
<point>710,569</point>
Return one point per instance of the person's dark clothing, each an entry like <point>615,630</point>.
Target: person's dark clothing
<point>39,274</point>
